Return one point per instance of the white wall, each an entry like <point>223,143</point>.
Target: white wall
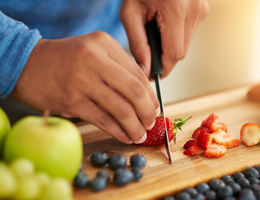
<point>224,53</point>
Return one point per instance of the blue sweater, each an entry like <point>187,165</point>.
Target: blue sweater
<point>24,23</point>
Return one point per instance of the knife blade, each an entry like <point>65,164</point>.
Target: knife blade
<point>154,40</point>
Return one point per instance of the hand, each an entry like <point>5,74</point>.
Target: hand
<point>93,78</point>
<point>254,93</point>
<point>177,20</point>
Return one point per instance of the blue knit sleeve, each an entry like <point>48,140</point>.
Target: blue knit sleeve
<point>16,44</point>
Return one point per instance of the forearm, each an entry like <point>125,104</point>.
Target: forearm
<point>17,43</point>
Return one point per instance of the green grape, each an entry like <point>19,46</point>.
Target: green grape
<point>28,188</point>
<point>43,178</point>
<point>7,182</point>
<point>22,167</point>
<point>57,189</point>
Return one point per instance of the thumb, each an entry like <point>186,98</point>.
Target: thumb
<point>135,29</point>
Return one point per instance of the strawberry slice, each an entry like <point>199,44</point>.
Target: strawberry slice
<point>221,137</point>
<point>215,151</point>
<point>204,140</point>
<point>189,143</point>
<point>197,132</point>
<point>250,134</point>
<point>213,124</point>
<point>192,150</point>
<point>156,136</point>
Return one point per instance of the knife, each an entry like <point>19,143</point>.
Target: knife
<point>154,40</point>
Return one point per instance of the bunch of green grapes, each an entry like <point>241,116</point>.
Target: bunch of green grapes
<point>20,180</point>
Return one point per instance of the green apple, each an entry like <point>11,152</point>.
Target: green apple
<point>5,126</point>
<point>53,144</point>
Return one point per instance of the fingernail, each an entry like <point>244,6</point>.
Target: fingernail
<point>151,126</point>
<point>130,141</point>
<point>158,111</point>
<point>143,138</point>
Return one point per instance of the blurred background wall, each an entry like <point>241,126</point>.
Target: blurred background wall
<point>225,52</point>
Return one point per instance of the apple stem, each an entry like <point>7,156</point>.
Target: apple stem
<point>46,114</point>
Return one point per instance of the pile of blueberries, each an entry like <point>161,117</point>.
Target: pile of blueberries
<point>117,163</point>
<point>241,185</point>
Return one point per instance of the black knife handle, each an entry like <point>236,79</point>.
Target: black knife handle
<point>154,40</point>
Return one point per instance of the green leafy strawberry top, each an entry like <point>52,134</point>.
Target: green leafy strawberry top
<point>178,123</point>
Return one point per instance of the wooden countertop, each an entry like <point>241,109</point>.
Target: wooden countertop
<point>162,178</point>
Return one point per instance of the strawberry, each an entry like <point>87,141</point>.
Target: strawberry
<point>215,151</point>
<point>192,150</point>
<point>221,137</point>
<point>250,134</point>
<point>156,136</point>
<point>213,124</point>
<point>205,139</point>
<point>189,143</point>
<point>197,132</point>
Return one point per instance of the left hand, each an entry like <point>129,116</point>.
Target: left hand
<point>177,20</point>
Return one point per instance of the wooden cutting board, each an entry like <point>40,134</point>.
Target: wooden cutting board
<point>162,178</point>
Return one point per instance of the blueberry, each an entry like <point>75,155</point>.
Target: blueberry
<point>229,198</point>
<point>137,160</point>
<point>237,176</point>
<point>99,159</point>
<point>199,197</point>
<point>81,180</point>
<point>257,168</point>
<point>254,180</point>
<point>227,179</point>
<point>210,195</point>
<point>256,189</point>
<point>225,192</point>
<point>98,183</point>
<point>216,184</point>
<point>168,198</point>
<point>105,174</point>
<point>243,182</point>
<point>117,161</point>
<point>123,177</point>
<point>246,194</point>
<point>236,188</point>
<point>202,188</point>
<point>137,174</point>
<point>251,172</point>
<point>183,196</point>
<point>192,191</point>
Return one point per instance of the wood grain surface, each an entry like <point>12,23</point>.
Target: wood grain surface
<point>162,178</point>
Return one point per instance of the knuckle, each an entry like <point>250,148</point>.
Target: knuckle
<point>124,109</point>
<point>178,54</point>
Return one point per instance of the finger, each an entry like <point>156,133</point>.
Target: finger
<point>124,60</point>
<point>198,10</point>
<point>133,90</point>
<point>137,36</point>
<point>88,110</point>
<point>121,110</point>
<point>171,29</point>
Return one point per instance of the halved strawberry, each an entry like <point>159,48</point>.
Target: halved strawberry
<point>213,124</point>
<point>221,137</point>
<point>197,132</point>
<point>215,151</point>
<point>250,134</point>
<point>156,136</point>
<point>204,140</point>
<point>189,143</point>
<point>192,150</point>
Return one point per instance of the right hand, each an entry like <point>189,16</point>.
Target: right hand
<point>90,77</point>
